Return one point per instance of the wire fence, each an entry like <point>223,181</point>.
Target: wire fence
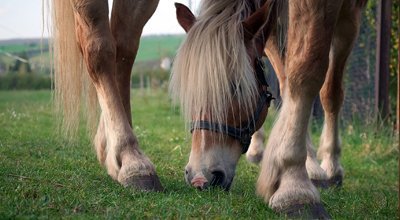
<point>359,78</point>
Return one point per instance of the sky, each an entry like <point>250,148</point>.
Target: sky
<point>23,19</point>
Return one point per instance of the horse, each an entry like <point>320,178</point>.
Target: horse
<point>216,82</point>
<point>217,78</point>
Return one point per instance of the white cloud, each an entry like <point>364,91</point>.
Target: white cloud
<point>12,24</point>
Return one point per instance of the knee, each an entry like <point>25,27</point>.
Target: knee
<point>306,73</point>
<point>308,78</point>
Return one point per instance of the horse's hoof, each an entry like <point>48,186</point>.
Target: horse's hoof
<point>144,183</point>
<point>323,184</point>
<point>335,181</point>
<point>306,211</point>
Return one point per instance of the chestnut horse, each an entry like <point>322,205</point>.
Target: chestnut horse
<point>216,78</point>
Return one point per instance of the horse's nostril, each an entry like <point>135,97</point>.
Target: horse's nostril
<point>218,178</point>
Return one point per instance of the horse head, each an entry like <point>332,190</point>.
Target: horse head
<point>219,80</point>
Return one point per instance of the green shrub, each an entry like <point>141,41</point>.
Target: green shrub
<point>13,81</point>
<point>155,78</point>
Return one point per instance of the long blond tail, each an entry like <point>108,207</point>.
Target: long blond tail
<point>74,93</point>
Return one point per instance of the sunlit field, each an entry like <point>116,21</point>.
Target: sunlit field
<point>43,176</point>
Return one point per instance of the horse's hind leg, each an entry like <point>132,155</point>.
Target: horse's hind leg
<point>123,159</point>
<point>332,92</point>
<point>126,31</point>
<point>127,21</point>
<point>283,180</point>
<point>256,149</point>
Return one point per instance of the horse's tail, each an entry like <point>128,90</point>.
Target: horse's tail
<point>73,91</point>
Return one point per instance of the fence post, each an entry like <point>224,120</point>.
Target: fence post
<point>382,58</point>
<point>398,85</point>
<point>398,89</point>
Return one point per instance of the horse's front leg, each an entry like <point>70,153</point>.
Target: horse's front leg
<point>283,181</point>
<point>122,157</point>
<point>315,172</point>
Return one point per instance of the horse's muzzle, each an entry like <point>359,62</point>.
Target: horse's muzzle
<point>216,178</point>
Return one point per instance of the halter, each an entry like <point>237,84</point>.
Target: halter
<point>242,134</point>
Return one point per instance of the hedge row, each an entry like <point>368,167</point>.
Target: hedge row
<point>13,81</point>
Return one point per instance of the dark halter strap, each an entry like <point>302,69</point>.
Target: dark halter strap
<point>243,133</point>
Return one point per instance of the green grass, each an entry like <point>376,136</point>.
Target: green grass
<point>43,177</point>
<point>157,47</point>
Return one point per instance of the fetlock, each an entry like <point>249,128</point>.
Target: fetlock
<point>332,168</point>
<point>314,170</point>
<point>255,152</point>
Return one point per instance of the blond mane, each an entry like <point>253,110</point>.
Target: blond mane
<point>212,68</point>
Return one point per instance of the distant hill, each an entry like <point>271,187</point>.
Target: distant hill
<point>151,50</point>
<point>23,41</point>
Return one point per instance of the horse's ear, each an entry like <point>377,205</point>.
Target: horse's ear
<point>259,19</point>
<point>185,17</point>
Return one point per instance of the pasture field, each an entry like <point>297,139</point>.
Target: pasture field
<point>41,176</point>
<point>156,47</point>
